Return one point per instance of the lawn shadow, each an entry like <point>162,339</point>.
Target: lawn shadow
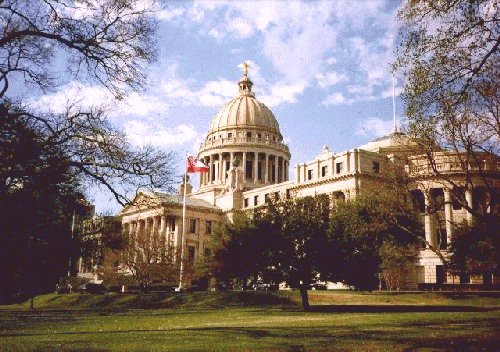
<point>397,308</point>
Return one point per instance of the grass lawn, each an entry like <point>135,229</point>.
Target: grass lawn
<point>253,321</point>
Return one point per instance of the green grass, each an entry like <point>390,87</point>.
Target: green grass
<point>247,321</point>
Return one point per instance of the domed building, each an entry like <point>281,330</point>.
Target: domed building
<point>249,162</point>
<point>243,136</point>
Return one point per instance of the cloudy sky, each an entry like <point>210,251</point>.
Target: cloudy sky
<point>322,67</point>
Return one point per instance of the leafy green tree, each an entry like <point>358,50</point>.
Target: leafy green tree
<point>39,194</point>
<point>239,249</point>
<point>397,263</point>
<point>304,239</point>
<point>450,59</point>
<point>476,248</point>
<point>360,228</point>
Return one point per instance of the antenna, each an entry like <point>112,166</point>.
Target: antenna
<point>394,103</point>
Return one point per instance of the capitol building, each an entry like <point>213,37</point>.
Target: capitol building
<point>249,162</point>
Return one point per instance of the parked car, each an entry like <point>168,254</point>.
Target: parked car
<point>318,286</point>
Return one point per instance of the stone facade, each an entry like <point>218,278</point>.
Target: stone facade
<point>248,162</point>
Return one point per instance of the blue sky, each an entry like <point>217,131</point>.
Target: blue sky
<point>322,67</point>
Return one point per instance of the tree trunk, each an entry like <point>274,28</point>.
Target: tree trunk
<point>305,298</point>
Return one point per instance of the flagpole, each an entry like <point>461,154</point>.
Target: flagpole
<point>183,234</point>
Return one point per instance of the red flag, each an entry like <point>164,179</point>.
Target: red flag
<point>195,165</point>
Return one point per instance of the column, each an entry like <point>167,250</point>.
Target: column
<point>211,169</point>
<point>448,215</point>
<point>276,169</point>
<point>244,166</point>
<point>283,178</point>
<point>468,198</point>
<point>356,161</point>
<point>156,239</point>
<point>231,159</point>
<point>224,167</point>
<point>286,170</point>
<point>318,169</point>
<point>266,169</point>
<point>430,236</point>
<point>332,172</point>
<point>256,167</point>
<point>162,236</point>
<point>220,177</point>
<point>304,172</point>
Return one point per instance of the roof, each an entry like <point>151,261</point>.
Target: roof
<point>177,199</point>
<point>244,111</point>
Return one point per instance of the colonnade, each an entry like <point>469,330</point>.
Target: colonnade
<point>156,233</point>
<point>431,215</point>
<point>266,168</point>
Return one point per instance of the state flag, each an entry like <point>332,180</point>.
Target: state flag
<point>195,165</point>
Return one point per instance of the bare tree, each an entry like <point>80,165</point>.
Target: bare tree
<point>450,58</point>
<point>107,42</point>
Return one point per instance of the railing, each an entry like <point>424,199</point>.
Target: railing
<point>241,141</point>
<point>448,163</point>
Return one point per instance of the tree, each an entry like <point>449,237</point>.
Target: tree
<point>38,196</point>
<point>475,248</point>
<point>151,259</point>
<point>450,58</point>
<point>107,42</point>
<point>362,229</point>
<point>239,250</point>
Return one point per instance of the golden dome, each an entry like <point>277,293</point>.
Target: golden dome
<point>244,112</point>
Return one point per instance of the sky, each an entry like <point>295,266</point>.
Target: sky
<point>323,68</point>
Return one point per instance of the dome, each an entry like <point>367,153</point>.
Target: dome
<point>393,140</point>
<point>244,112</point>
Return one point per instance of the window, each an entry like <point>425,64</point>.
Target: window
<point>191,252</point>
<point>246,202</point>
<point>249,169</point>
<point>207,252</point>
<point>229,135</point>
<point>208,227</point>
<point>339,167</point>
<point>288,194</point>
<point>309,174</point>
<point>376,167</point>
<point>276,195</point>
<point>249,134</point>
<point>324,171</point>
<point>171,224</point>
<point>266,198</point>
<point>192,225</point>
<point>255,200</point>
<point>259,135</point>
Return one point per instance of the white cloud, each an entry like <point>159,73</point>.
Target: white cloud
<point>77,96</point>
<point>166,15</point>
<point>374,126</point>
<point>282,93</point>
<point>335,99</point>
<point>140,133</point>
<point>330,79</point>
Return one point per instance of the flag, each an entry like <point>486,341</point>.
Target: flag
<point>195,165</point>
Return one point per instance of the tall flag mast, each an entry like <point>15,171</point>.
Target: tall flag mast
<point>394,103</point>
<point>192,165</point>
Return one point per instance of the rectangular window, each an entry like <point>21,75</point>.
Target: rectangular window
<point>309,174</point>
<point>324,171</point>
<point>259,135</point>
<point>276,195</point>
<point>249,169</point>
<point>191,252</point>
<point>288,194</point>
<point>207,252</point>
<point>171,224</point>
<point>376,167</point>
<point>249,134</point>
<point>192,225</point>
<point>229,135</point>
<point>208,227</point>
<point>246,202</point>
<point>339,167</point>
<point>255,200</point>
<point>266,198</point>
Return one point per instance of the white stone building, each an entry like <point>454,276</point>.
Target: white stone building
<point>249,161</point>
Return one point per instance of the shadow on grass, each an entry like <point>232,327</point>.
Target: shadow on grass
<point>394,308</point>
